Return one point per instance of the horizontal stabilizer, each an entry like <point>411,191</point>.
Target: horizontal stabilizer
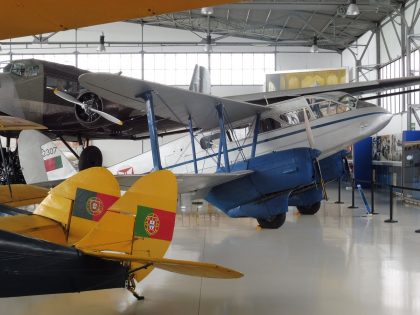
<point>172,103</point>
<point>22,195</point>
<point>10,123</point>
<point>190,268</point>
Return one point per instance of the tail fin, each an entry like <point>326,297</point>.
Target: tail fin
<point>40,158</point>
<point>200,81</point>
<point>80,201</point>
<point>140,223</point>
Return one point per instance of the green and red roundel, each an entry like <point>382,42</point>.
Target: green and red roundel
<point>92,205</point>
<point>154,223</point>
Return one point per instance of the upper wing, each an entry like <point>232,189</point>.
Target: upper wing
<point>37,17</point>
<point>190,183</point>
<point>172,103</point>
<point>190,268</point>
<point>10,123</point>
<point>355,89</point>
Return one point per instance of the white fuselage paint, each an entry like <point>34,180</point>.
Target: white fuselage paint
<point>331,134</point>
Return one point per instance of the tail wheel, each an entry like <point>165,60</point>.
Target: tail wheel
<point>309,210</point>
<point>272,223</point>
<point>91,156</point>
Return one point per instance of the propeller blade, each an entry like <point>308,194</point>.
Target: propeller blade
<point>311,141</point>
<point>107,116</point>
<point>308,128</point>
<point>71,99</point>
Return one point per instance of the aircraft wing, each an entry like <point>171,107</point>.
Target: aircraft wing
<point>190,183</point>
<point>10,123</point>
<point>170,102</point>
<point>355,89</point>
<point>190,268</point>
<point>22,195</point>
<point>26,18</point>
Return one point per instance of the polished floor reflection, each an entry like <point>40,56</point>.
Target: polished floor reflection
<point>336,262</point>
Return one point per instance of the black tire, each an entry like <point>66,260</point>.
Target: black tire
<point>309,210</point>
<point>274,223</point>
<point>91,156</point>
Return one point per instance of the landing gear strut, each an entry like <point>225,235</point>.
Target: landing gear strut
<point>309,210</point>
<point>131,286</point>
<point>273,223</point>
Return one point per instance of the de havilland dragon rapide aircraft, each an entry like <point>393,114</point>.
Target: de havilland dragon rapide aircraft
<point>292,141</point>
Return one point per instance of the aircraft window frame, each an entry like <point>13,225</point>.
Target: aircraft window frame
<point>18,68</point>
<point>21,69</point>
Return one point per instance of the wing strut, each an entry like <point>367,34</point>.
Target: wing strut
<point>191,130</point>
<point>220,113</point>
<point>151,121</point>
<point>256,132</point>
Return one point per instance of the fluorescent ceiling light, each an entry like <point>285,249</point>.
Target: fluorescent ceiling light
<point>207,11</point>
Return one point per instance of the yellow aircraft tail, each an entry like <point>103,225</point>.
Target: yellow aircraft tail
<point>135,229</point>
<point>140,223</point>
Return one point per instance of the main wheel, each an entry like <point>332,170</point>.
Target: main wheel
<point>309,210</point>
<point>274,223</point>
<point>91,156</point>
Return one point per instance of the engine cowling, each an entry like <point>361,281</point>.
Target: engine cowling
<point>85,116</point>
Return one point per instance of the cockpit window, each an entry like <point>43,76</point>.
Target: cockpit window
<point>22,70</point>
<point>18,69</point>
<point>349,100</point>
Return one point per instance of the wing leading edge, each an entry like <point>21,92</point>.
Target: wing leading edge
<point>355,89</point>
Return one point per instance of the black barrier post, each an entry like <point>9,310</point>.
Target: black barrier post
<point>353,183</point>
<point>391,206</point>
<point>372,195</point>
<point>339,192</point>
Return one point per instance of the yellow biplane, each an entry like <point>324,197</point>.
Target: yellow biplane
<point>85,236</point>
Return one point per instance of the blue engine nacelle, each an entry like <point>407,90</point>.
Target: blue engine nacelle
<point>265,192</point>
<point>332,167</point>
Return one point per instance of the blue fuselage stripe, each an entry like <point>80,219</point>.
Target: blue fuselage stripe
<point>274,138</point>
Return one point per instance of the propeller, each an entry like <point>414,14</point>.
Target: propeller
<point>311,141</point>
<point>86,108</point>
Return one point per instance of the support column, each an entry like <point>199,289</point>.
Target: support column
<point>193,144</point>
<point>220,112</point>
<point>154,143</point>
<point>256,132</point>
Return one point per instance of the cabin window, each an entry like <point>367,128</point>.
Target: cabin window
<point>269,124</point>
<point>329,108</point>
<point>62,85</point>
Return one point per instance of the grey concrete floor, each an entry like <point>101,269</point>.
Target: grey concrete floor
<point>336,262</point>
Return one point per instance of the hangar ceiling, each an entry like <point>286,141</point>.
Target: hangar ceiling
<point>283,22</point>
